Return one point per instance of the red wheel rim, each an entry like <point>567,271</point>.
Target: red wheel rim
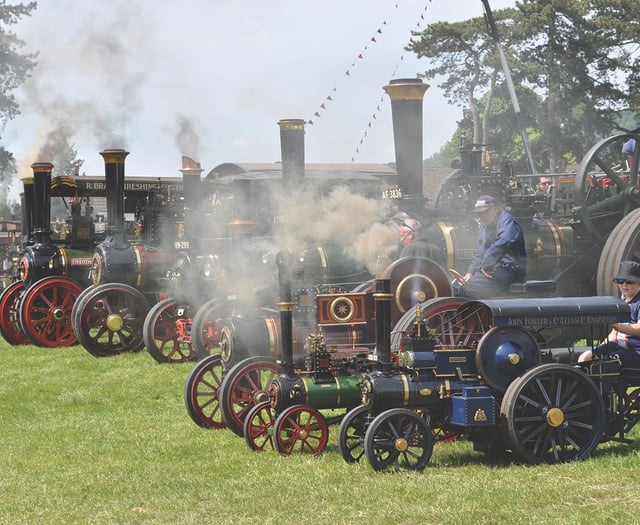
<point>245,385</point>
<point>162,334</point>
<point>201,393</point>
<point>258,427</point>
<point>10,316</point>
<point>301,429</point>
<point>45,312</point>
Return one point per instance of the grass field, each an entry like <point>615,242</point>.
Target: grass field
<point>86,440</point>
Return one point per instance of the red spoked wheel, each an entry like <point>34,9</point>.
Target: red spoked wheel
<point>45,311</point>
<point>439,317</point>
<point>10,327</point>
<point>258,427</point>
<point>245,385</point>
<point>201,393</point>
<point>301,428</point>
<point>110,320</point>
<point>165,332</point>
<point>205,328</point>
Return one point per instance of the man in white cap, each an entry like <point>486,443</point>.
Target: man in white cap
<point>415,244</point>
<point>501,256</point>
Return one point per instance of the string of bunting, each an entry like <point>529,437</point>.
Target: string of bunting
<point>360,56</point>
<point>380,104</point>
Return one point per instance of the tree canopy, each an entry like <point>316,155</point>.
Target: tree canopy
<point>15,68</point>
<point>574,64</point>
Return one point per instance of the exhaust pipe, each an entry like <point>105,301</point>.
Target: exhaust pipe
<point>406,96</point>
<point>283,260</point>
<point>114,186</point>
<point>42,202</point>
<point>28,210</point>
<point>191,193</point>
<point>292,149</point>
<point>382,298</point>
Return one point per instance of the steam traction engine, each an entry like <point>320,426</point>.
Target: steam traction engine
<point>36,308</point>
<point>329,330</point>
<point>503,385</point>
<point>108,316</point>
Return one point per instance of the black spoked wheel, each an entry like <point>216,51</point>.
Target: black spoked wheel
<point>553,413</point>
<point>109,319</point>
<point>603,186</point>
<point>631,409</point>
<point>351,434</point>
<point>398,438</point>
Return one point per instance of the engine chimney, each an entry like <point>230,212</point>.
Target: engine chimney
<point>283,260</point>
<point>382,297</point>
<point>42,202</point>
<point>406,108</point>
<point>114,186</point>
<point>28,209</point>
<point>191,192</point>
<point>292,149</point>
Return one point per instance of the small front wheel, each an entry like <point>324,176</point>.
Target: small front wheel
<point>398,438</point>
<point>301,428</point>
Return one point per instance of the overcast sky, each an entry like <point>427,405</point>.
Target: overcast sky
<point>211,78</point>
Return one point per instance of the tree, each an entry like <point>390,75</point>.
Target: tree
<point>14,70</point>
<point>578,56</point>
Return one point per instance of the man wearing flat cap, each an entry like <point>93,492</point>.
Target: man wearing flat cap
<point>501,256</point>
<point>623,342</point>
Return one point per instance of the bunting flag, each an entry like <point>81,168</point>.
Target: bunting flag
<point>393,75</point>
<point>359,56</point>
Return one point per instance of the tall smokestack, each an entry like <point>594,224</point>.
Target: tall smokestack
<point>382,297</point>
<point>114,189</point>
<point>42,202</point>
<point>28,209</point>
<point>283,260</point>
<point>191,193</point>
<point>406,107</point>
<point>292,149</point>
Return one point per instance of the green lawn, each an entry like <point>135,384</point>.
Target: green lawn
<point>86,440</point>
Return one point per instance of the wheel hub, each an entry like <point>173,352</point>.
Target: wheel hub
<point>555,417</point>
<point>58,314</point>
<point>260,397</point>
<point>401,444</point>
<point>303,434</point>
<point>115,322</point>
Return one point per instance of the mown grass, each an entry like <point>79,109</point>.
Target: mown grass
<point>86,440</point>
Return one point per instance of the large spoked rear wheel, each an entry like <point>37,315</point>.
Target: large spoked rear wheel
<point>301,428</point>
<point>10,327</point>
<point>110,319</point>
<point>245,385</point>
<point>439,317</point>
<point>553,413</point>
<point>603,186</point>
<point>398,438</point>
<point>623,244</point>
<point>45,311</point>
<point>165,333</point>
<point>201,393</point>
